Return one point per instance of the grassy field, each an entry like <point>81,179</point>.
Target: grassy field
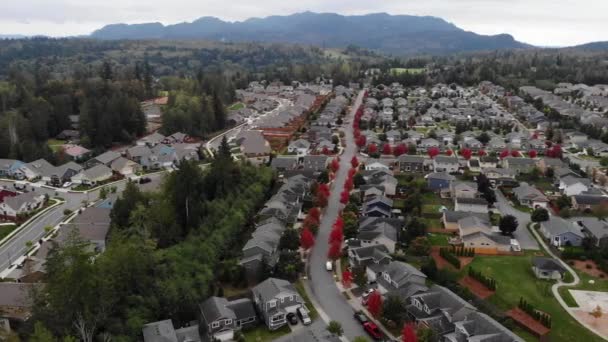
<point>398,71</point>
<point>262,334</point>
<point>55,144</point>
<point>237,106</point>
<point>5,230</point>
<point>598,285</point>
<point>438,239</point>
<point>515,280</point>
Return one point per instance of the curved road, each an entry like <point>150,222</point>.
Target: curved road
<point>323,286</point>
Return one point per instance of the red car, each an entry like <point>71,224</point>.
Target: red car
<point>373,330</point>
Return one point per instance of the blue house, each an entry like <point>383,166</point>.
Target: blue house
<point>437,181</point>
<point>11,168</point>
<point>560,232</point>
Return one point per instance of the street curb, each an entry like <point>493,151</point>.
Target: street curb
<point>24,224</point>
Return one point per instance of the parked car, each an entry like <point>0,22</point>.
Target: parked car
<point>144,180</point>
<point>291,317</point>
<point>304,317</point>
<point>67,184</point>
<point>366,295</point>
<point>361,318</point>
<point>372,329</point>
<point>329,266</point>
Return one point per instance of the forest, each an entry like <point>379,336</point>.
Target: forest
<point>164,254</point>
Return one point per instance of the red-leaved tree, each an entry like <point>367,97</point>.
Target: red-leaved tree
<point>354,162</point>
<point>372,148</point>
<point>324,188</point>
<point>481,153</point>
<point>374,304</point>
<point>339,222</point>
<point>515,153</point>
<point>432,152</point>
<point>349,184</point>
<point>408,334</point>
<point>307,239</point>
<point>334,165</point>
<point>321,199</point>
<point>504,154</point>
<point>449,153</point>
<point>347,278</point>
<point>344,197</point>
<point>351,173</point>
<point>336,235</point>
<point>335,251</point>
<point>386,149</point>
<point>361,141</point>
<point>554,152</point>
<point>400,149</point>
<point>326,151</point>
<point>532,154</point>
<point>466,153</point>
<point>315,213</point>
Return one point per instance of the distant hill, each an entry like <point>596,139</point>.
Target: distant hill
<point>593,46</point>
<point>395,34</point>
<point>12,36</point>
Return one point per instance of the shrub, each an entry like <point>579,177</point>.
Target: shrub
<point>488,282</point>
<point>449,257</point>
<point>588,266</point>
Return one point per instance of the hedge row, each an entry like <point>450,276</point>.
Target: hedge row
<point>488,282</point>
<point>541,317</point>
<point>449,257</point>
<point>463,252</point>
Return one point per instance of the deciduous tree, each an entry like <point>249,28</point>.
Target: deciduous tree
<point>374,304</point>
<point>307,239</point>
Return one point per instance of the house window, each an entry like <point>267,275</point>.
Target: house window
<point>215,324</point>
<point>227,321</point>
<point>282,299</point>
<point>290,298</point>
<point>277,318</point>
<point>272,303</point>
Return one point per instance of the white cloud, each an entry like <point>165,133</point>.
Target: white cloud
<point>540,22</point>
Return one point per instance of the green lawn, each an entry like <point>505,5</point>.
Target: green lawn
<point>5,230</point>
<point>262,334</point>
<point>237,106</point>
<point>55,144</point>
<point>598,285</point>
<point>438,239</point>
<point>311,308</point>
<point>515,279</point>
<point>408,70</point>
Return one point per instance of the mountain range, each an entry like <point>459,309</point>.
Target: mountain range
<point>392,34</point>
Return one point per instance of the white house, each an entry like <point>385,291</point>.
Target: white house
<point>21,204</point>
<point>571,185</point>
<point>445,163</point>
<point>300,147</point>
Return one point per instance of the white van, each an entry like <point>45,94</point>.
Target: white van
<point>329,266</point>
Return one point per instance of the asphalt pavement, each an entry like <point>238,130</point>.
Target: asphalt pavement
<point>323,286</point>
<point>522,234</point>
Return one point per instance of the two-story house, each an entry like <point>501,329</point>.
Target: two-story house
<point>446,164</point>
<point>220,318</point>
<point>411,163</point>
<point>274,299</point>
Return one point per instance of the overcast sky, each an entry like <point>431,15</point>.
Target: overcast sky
<point>539,22</point>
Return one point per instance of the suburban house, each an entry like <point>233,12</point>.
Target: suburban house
<point>594,228</point>
<point>560,232</point>
<point>76,152</point>
<point>125,167</point>
<point>274,299</point>
<point>220,318</point>
<point>438,181</point>
<point>587,202</point>
<point>477,233</point>
<point>429,143</point>
<point>15,300</point>
<point>253,145</point>
<point>571,185</point>
<point>445,163</point>
<point>93,176</point>
<point>530,196</point>
<point>105,158</point>
<point>400,279</point>
<point>315,163</point>
<point>11,168</point>
<point>91,225</point>
<point>164,331</point>
<point>550,163</point>
<point>450,218</point>
<point>488,161</point>
<point>299,147</point>
<point>376,165</point>
<point>380,206</point>
<point>151,140</point>
<point>547,268</point>
<point>176,138</point>
<point>474,205</point>
<point>384,180</point>
<point>519,165</point>
<point>379,231</point>
<point>478,326</point>
<point>368,255</point>
<point>463,189</point>
<point>21,204</point>
<point>38,169</point>
<point>410,163</point>
<point>262,247</point>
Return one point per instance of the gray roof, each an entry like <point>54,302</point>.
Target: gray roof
<point>590,199</point>
<point>525,191</point>
<point>548,264</point>
<point>215,308</point>
<point>139,151</point>
<point>400,272</point>
<point>498,238</point>
<point>477,201</point>
<point>596,227</point>
<point>406,158</point>
<point>455,216</point>
<point>42,167</point>
<point>514,161</point>
<point>571,180</point>
<point>242,308</point>
<point>440,175</point>
<point>558,226</point>
<point>97,171</point>
<point>446,159</point>
<point>271,287</point>
<point>17,201</point>
<point>161,331</point>
<point>107,157</point>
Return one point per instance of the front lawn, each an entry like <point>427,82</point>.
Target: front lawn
<point>262,334</point>
<point>515,279</point>
<point>6,229</point>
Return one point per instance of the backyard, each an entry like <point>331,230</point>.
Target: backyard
<point>261,333</point>
<point>515,280</point>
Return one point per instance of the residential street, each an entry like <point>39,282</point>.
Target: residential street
<point>332,302</point>
<point>14,248</point>
<point>526,240</point>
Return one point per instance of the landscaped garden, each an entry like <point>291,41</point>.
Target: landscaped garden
<point>515,280</point>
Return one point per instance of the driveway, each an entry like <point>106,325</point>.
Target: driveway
<point>323,286</point>
<point>522,234</point>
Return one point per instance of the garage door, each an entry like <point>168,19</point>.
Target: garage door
<point>225,335</point>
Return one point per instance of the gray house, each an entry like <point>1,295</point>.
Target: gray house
<point>560,232</point>
<point>220,318</point>
<point>408,163</point>
<point>274,299</point>
<point>547,268</point>
<point>164,331</point>
<point>262,246</point>
<point>401,279</point>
